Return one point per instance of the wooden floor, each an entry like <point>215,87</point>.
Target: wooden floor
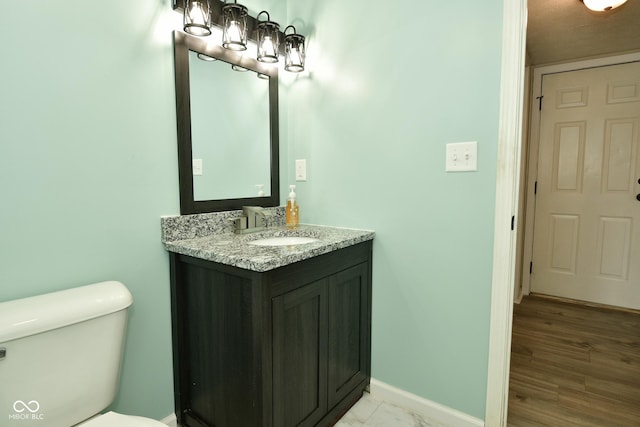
<point>573,365</point>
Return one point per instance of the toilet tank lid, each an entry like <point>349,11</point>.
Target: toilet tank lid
<point>28,316</point>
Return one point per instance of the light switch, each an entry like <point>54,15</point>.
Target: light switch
<point>462,157</point>
<point>197,167</point>
<point>301,170</point>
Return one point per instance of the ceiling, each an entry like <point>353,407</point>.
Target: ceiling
<point>561,30</point>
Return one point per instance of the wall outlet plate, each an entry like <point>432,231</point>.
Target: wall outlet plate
<point>462,157</point>
<point>197,167</point>
<point>301,170</point>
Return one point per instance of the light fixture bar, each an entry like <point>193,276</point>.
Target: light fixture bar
<point>215,7</point>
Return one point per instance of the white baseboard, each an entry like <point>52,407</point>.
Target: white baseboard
<point>443,415</point>
<point>170,420</point>
<point>518,297</point>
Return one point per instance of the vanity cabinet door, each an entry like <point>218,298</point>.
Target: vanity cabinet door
<point>321,346</point>
<point>300,355</point>
<point>349,332</point>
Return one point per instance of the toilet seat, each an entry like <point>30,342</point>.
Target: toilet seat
<point>111,419</point>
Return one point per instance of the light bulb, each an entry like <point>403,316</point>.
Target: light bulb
<point>267,45</point>
<point>234,31</point>
<point>294,54</point>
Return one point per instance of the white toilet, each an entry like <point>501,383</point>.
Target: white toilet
<point>60,356</point>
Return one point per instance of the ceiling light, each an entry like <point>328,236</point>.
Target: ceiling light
<point>603,5</point>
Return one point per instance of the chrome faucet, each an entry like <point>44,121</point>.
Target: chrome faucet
<point>252,219</point>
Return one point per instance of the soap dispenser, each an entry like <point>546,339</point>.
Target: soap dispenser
<point>292,209</point>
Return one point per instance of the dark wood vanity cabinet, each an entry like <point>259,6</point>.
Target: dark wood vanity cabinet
<point>287,347</point>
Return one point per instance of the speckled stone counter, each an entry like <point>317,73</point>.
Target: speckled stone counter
<point>210,237</point>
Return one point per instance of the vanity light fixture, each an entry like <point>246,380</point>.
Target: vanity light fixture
<point>293,51</point>
<point>268,35</point>
<point>603,5</point>
<point>197,17</point>
<point>234,26</point>
<point>237,27</point>
<point>235,67</point>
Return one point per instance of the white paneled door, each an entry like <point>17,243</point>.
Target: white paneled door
<point>587,218</point>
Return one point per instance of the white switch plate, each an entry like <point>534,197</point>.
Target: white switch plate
<point>301,170</point>
<point>197,166</point>
<point>462,157</point>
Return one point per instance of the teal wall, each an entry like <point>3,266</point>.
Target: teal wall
<point>88,165</point>
<point>387,87</point>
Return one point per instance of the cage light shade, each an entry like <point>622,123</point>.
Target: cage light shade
<point>197,17</point>
<point>602,5</point>
<point>268,36</point>
<point>234,26</point>
<point>294,53</point>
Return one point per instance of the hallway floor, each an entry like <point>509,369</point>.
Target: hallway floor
<point>574,365</point>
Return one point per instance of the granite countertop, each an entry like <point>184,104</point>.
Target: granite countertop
<point>234,249</point>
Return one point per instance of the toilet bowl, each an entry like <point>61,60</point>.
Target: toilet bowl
<point>113,419</point>
<point>60,357</point>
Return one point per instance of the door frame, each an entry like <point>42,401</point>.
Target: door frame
<point>534,143</point>
<point>514,32</point>
<point>514,24</point>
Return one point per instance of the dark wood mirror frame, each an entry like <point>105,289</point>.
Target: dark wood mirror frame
<point>184,43</point>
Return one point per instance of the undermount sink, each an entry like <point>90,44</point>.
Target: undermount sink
<point>284,241</point>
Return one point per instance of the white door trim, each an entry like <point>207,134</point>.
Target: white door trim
<point>514,23</point>
<point>534,142</point>
<point>509,145</point>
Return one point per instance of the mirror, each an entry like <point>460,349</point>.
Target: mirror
<point>220,140</point>
<point>228,122</point>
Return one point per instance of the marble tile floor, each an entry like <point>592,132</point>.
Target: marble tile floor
<point>370,412</point>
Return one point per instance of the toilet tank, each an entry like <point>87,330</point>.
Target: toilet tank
<point>60,354</point>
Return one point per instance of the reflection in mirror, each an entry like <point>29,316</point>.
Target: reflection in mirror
<point>228,124</point>
<point>229,127</point>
